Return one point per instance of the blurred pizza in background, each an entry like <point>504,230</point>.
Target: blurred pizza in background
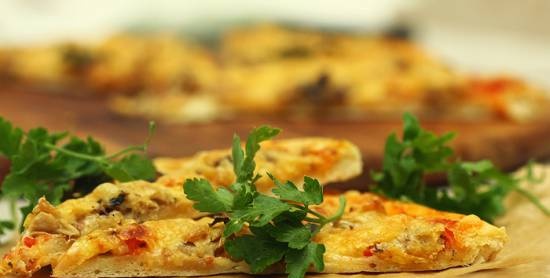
<point>274,71</point>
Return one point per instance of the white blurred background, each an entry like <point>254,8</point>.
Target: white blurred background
<point>506,36</point>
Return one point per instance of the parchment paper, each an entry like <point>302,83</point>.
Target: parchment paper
<point>527,254</point>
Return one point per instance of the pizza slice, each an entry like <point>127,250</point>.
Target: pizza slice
<point>504,96</point>
<point>374,235</point>
<point>271,68</point>
<point>328,160</point>
<point>152,64</point>
<point>330,75</point>
<point>55,68</point>
<point>112,204</point>
<point>173,105</point>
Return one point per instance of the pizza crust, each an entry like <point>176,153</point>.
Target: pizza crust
<point>126,266</point>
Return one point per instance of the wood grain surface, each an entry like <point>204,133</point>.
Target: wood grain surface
<point>508,144</point>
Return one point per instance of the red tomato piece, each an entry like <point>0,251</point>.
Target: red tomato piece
<point>29,241</point>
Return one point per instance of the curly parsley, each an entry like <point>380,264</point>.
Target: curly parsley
<point>54,164</point>
<point>281,226</point>
<point>473,187</point>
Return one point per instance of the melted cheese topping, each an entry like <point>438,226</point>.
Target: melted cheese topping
<point>377,234</point>
<point>328,160</point>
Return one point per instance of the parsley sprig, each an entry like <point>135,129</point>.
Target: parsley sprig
<point>55,164</point>
<point>473,187</point>
<point>280,227</point>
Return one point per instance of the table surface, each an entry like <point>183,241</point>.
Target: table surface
<point>507,144</point>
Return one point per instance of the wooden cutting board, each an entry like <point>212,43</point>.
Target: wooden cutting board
<point>508,144</point>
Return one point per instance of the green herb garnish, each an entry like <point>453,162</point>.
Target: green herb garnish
<point>54,164</point>
<point>473,187</point>
<point>281,227</point>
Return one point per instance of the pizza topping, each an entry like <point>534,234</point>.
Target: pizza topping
<point>134,245</point>
<point>344,224</point>
<point>46,218</point>
<point>321,91</point>
<point>114,203</point>
<point>449,238</point>
<point>117,201</point>
<point>372,250</point>
<point>77,59</point>
<point>448,235</point>
<point>295,51</point>
<point>369,251</point>
<point>474,187</point>
<point>446,222</point>
<point>134,238</point>
<point>280,228</point>
<point>29,241</point>
<point>493,86</point>
<point>136,231</point>
<point>224,159</point>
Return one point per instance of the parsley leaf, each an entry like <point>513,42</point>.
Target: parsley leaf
<point>298,261</point>
<point>312,194</point>
<point>262,211</point>
<point>257,252</point>
<point>244,168</point>
<point>210,200</point>
<point>131,167</point>
<point>55,164</point>
<point>5,226</point>
<point>294,233</point>
<point>473,187</point>
<point>11,138</point>
<point>281,227</point>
